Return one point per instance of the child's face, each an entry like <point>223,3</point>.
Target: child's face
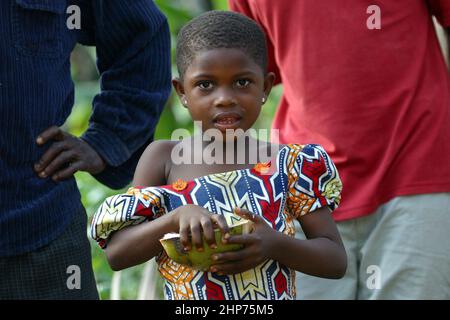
<point>224,89</point>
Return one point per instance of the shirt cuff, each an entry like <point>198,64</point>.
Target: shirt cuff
<point>107,144</point>
<point>115,177</point>
<point>119,177</point>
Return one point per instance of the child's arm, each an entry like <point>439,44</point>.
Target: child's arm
<point>136,244</point>
<point>322,254</point>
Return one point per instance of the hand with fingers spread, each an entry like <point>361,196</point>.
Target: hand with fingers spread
<point>194,222</point>
<point>66,155</point>
<point>257,247</point>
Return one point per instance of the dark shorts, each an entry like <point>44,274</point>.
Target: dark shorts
<point>60,270</point>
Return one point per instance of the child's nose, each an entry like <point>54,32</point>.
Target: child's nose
<point>224,98</point>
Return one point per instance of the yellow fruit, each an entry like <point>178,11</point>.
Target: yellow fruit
<point>201,260</point>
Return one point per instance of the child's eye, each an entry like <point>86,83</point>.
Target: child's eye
<point>242,83</point>
<point>205,85</point>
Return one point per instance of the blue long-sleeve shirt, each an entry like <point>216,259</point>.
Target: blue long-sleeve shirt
<point>36,91</point>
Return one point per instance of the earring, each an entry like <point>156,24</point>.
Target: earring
<point>263,100</point>
<point>185,102</point>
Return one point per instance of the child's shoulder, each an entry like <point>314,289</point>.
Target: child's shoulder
<point>307,155</point>
<point>154,164</point>
<point>309,159</point>
<point>159,149</point>
<point>164,146</point>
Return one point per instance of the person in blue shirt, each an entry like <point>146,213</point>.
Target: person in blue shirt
<point>44,251</point>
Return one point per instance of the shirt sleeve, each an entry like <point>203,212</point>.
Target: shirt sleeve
<point>132,39</point>
<point>136,206</point>
<point>313,180</point>
<point>244,7</point>
<point>441,10</point>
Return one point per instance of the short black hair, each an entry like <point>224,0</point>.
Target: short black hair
<point>220,29</point>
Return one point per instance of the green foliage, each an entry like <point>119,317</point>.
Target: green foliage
<point>174,116</point>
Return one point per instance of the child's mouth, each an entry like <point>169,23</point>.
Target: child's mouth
<point>227,121</point>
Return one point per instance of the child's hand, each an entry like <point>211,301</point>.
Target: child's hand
<point>258,247</point>
<point>66,155</point>
<point>195,220</point>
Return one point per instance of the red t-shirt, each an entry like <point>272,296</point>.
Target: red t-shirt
<point>377,100</point>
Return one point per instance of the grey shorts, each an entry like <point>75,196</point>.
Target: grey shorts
<point>60,270</point>
<point>401,251</point>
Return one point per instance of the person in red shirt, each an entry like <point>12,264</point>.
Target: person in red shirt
<point>369,83</point>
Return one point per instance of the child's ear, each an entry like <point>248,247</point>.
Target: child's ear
<point>179,88</point>
<point>268,83</point>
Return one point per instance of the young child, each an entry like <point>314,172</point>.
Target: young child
<point>221,59</point>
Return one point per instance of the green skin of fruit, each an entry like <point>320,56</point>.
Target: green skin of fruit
<point>200,260</point>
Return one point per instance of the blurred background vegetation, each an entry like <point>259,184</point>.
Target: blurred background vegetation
<point>175,116</point>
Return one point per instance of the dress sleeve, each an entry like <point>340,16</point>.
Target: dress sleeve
<point>135,206</point>
<point>313,180</point>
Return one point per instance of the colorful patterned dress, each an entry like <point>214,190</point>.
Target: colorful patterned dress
<point>304,180</point>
